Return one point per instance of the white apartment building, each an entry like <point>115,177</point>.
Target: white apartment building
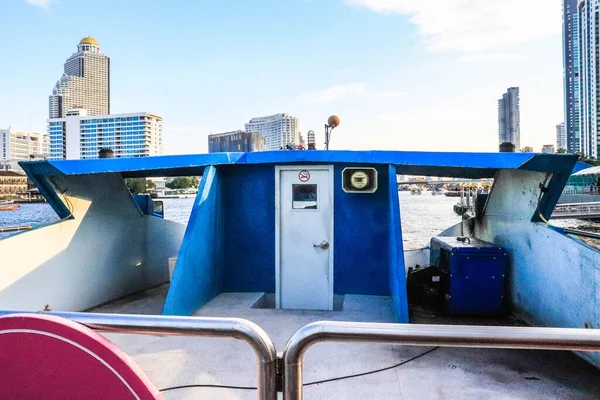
<point>85,82</point>
<point>561,136</point>
<point>278,130</point>
<point>80,136</point>
<point>20,146</point>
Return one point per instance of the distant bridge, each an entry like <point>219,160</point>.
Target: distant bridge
<point>576,210</point>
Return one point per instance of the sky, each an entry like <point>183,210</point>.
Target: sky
<point>400,74</point>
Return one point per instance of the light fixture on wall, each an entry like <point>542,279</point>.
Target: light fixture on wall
<point>359,180</point>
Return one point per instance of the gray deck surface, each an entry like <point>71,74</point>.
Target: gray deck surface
<point>445,373</point>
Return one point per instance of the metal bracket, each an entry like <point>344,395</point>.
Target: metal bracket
<point>279,373</point>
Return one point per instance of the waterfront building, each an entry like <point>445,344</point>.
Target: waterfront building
<point>236,141</point>
<point>12,183</point>
<point>81,136</point>
<point>278,130</point>
<point>561,136</point>
<point>548,149</point>
<point>581,56</point>
<point>509,119</point>
<point>85,82</point>
<point>159,183</point>
<point>572,76</point>
<point>527,149</point>
<point>20,146</point>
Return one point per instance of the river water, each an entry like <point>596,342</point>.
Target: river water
<point>423,216</point>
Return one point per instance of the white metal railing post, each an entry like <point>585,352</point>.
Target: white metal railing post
<point>427,335</point>
<point>238,328</point>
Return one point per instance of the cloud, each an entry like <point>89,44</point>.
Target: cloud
<point>41,3</point>
<point>490,57</point>
<point>389,95</point>
<point>334,93</point>
<point>474,25</point>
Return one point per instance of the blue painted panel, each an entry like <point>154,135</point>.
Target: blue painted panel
<point>361,237</point>
<point>398,158</point>
<point>548,202</point>
<point>138,166</point>
<point>558,163</point>
<point>198,276</point>
<point>249,212</point>
<point>396,252</point>
<point>580,166</point>
<point>145,203</point>
<point>47,190</point>
<point>422,163</point>
<point>39,177</point>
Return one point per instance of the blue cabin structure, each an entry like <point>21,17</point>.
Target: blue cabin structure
<point>304,225</point>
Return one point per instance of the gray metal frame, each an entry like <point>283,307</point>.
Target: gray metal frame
<point>427,335</point>
<point>236,328</point>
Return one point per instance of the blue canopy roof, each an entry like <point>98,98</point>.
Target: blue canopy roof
<point>467,165</point>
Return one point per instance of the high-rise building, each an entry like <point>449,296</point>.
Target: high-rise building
<point>279,130</point>
<point>588,26</point>
<point>581,53</point>
<point>80,136</point>
<point>236,141</point>
<point>85,82</point>
<point>509,118</point>
<point>20,146</point>
<point>561,136</point>
<point>572,75</point>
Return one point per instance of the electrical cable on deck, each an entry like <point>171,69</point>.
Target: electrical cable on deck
<point>339,378</point>
<point>374,371</point>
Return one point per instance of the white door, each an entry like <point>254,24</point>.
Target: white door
<point>304,237</point>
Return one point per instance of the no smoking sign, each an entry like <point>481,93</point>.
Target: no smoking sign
<point>304,176</point>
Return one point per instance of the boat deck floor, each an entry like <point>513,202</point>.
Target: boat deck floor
<point>445,373</point>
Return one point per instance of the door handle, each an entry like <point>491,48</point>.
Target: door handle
<point>324,245</point>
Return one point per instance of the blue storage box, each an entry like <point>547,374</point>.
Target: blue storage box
<point>472,274</point>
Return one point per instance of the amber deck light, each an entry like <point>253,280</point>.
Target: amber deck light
<point>332,123</point>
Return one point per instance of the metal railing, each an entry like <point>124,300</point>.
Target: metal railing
<point>236,328</point>
<point>582,190</point>
<point>576,210</point>
<point>427,335</point>
<point>329,331</point>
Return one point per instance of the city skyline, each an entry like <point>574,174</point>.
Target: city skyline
<point>391,78</point>
<point>80,123</point>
